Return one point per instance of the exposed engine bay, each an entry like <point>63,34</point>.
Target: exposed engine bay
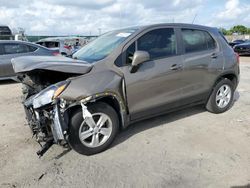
<point>42,78</point>
<point>55,90</point>
<point>40,119</point>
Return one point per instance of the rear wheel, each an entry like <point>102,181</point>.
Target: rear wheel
<point>88,139</point>
<point>222,96</point>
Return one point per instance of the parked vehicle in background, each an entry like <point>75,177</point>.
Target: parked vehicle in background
<point>235,42</point>
<point>10,49</point>
<point>243,48</point>
<point>5,33</point>
<point>125,76</point>
<point>65,45</point>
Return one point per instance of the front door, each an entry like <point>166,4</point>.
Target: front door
<point>156,84</point>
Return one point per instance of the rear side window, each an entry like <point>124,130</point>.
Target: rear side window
<point>158,43</point>
<point>197,40</point>
<point>52,44</point>
<point>15,48</point>
<point>32,48</point>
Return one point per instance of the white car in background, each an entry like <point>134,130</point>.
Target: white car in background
<point>65,45</point>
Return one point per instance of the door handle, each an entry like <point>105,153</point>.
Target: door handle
<point>176,67</point>
<point>214,55</point>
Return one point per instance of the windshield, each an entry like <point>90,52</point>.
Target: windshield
<point>103,45</point>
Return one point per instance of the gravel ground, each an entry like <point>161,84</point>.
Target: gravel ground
<point>188,148</point>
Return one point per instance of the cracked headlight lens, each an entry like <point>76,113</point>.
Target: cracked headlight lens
<point>47,95</point>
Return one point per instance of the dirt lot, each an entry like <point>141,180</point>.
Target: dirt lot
<point>189,148</point>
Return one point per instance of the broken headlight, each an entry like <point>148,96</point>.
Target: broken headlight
<point>47,95</point>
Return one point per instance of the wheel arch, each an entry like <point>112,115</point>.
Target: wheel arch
<point>109,98</point>
<point>229,75</point>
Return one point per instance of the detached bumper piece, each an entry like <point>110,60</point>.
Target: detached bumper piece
<point>49,127</point>
<point>45,148</point>
<point>57,127</point>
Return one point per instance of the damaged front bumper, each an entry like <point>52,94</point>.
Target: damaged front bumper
<point>45,116</point>
<point>49,123</point>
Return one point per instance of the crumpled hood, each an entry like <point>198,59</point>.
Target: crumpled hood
<point>52,63</point>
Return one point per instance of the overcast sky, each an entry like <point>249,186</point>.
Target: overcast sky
<point>67,17</point>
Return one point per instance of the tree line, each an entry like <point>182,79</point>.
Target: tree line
<point>238,29</point>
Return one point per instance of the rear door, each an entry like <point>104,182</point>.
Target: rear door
<point>201,61</point>
<point>156,85</point>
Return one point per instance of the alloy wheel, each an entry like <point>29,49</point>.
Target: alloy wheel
<point>223,96</point>
<point>97,133</point>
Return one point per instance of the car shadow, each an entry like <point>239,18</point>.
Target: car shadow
<point>161,120</point>
<point>236,98</point>
<point>7,82</point>
<point>242,186</point>
<point>64,152</point>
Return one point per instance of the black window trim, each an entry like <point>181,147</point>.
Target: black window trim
<point>32,47</point>
<point>135,39</point>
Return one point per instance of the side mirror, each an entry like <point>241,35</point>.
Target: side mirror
<point>139,58</point>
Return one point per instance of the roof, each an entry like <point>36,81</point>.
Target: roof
<point>180,25</point>
<point>21,42</point>
<point>170,25</point>
<point>59,38</point>
<point>15,41</point>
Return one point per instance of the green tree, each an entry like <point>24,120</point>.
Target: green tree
<point>248,30</point>
<point>225,31</point>
<point>240,29</point>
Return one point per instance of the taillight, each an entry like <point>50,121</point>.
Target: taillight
<point>56,53</point>
<point>67,47</point>
<point>238,57</point>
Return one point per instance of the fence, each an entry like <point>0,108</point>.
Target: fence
<point>231,38</point>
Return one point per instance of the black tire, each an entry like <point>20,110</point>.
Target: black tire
<point>27,92</point>
<point>212,105</point>
<point>75,124</point>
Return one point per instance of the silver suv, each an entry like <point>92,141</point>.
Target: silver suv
<point>125,76</point>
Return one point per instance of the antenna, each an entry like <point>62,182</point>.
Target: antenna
<point>100,31</point>
<point>194,18</point>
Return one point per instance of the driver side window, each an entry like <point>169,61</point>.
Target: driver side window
<point>159,43</point>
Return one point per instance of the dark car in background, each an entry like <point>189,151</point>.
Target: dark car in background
<point>10,49</point>
<point>122,77</point>
<point>235,42</point>
<point>243,49</point>
<point>5,33</point>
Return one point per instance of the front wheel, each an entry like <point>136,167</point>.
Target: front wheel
<point>96,137</point>
<point>221,98</point>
